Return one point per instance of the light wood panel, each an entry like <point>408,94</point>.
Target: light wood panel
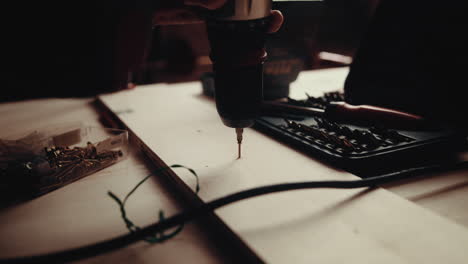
<point>313,226</point>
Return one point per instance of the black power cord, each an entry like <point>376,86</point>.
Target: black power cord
<point>124,240</point>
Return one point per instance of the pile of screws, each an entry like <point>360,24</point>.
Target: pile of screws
<point>318,102</point>
<point>70,164</point>
<point>342,139</point>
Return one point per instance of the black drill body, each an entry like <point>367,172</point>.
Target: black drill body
<point>237,34</point>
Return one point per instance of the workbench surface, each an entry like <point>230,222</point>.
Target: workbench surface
<point>419,221</point>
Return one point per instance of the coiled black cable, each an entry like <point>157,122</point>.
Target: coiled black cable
<point>188,215</point>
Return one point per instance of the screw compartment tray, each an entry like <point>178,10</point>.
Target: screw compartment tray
<point>364,151</point>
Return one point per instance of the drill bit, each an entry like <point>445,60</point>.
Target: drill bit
<point>239,132</point>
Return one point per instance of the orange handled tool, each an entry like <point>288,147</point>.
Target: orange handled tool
<point>353,114</point>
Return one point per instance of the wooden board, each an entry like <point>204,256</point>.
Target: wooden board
<point>309,226</point>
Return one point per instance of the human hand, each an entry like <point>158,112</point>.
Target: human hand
<point>183,15</point>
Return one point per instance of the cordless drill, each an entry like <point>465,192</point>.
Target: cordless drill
<point>237,34</point>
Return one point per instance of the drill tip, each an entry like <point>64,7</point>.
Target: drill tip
<point>239,132</point>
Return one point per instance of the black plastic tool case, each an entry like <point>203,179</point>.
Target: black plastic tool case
<point>364,151</point>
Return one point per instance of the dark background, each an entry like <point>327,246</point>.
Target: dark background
<point>70,51</point>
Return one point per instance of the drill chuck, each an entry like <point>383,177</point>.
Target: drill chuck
<point>242,10</point>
